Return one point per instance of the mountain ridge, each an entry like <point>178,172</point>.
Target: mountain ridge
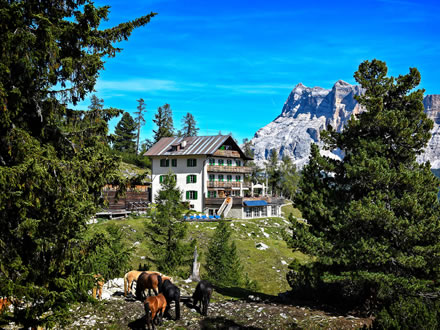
<point>309,110</point>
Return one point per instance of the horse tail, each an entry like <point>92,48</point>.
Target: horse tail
<point>125,284</point>
<point>159,283</point>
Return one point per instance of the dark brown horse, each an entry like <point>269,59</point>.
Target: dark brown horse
<point>203,295</point>
<point>151,282</point>
<point>155,308</point>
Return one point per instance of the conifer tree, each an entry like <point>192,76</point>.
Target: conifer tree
<point>167,230</point>
<point>53,160</point>
<point>139,121</point>
<point>373,217</point>
<point>189,125</point>
<point>289,179</point>
<point>273,172</point>
<point>125,134</point>
<point>164,122</point>
<point>222,263</point>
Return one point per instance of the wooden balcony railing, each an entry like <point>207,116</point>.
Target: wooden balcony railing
<point>226,184</point>
<point>219,201</point>
<point>229,169</point>
<point>227,153</point>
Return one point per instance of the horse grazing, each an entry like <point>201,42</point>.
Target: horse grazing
<point>155,308</point>
<point>171,293</point>
<point>150,282</point>
<point>202,294</point>
<point>97,287</point>
<point>131,277</point>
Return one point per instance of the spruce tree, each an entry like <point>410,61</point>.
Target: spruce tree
<point>289,179</point>
<point>124,138</point>
<point>164,122</point>
<point>167,230</point>
<point>222,262</point>
<point>139,121</point>
<point>373,217</point>
<point>189,125</point>
<point>53,160</point>
<point>273,172</point>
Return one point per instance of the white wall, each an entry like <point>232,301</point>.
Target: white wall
<point>181,171</point>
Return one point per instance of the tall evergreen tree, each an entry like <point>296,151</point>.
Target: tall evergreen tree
<point>222,263</point>
<point>139,121</point>
<point>373,217</point>
<point>189,125</point>
<point>124,139</point>
<point>273,172</point>
<point>289,179</point>
<point>164,122</point>
<point>53,160</point>
<point>167,230</point>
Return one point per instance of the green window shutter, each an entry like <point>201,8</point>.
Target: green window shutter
<point>174,162</point>
<point>167,163</point>
<point>188,162</point>
<point>160,179</point>
<point>187,195</point>
<point>195,194</point>
<point>187,179</point>
<point>195,178</point>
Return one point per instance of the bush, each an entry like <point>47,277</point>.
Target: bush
<point>409,313</point>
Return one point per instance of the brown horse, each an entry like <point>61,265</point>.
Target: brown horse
<point>97,287</point>
<point>4,303</point>
<point>156,306</point>
<point>131,277</point>
<point>151,282</point>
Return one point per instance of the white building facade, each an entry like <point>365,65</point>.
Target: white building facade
<point>208,170</point>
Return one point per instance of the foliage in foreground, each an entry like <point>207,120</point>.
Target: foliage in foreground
<point>166,231</point>
<point>53,160</point>
<point>373,217</point>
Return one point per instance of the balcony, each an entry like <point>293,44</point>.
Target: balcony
<point>229,169</point>
<point>226,184</point>
<point>219,201</point>
<point>227,153</point>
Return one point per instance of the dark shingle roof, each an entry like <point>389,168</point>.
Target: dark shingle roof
<point>195,145</point>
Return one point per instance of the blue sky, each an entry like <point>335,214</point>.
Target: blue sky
<point>232,64</point>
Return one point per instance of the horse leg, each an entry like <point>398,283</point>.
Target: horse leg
<point>155,291</point>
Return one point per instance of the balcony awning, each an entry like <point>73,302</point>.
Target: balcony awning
<point>255,203</point>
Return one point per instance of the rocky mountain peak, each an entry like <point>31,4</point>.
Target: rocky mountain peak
<point>307,111</point>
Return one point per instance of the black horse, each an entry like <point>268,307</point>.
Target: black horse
<point>171,293</point>
<point>203,295</point>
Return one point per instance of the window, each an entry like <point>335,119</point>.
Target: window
<point>238,178</point>
<point>274,210</point>
<point>256,211</point>
<point>229,162</point>
<point>229,178</point>
<point>191,178</point>
<point>248,212</point>
<point>212,194</point>
<point>191,162</point>
<point>238,162</point>
<point>162,178</point>
<point>220,177</point>
<point>174,162</point>
<point>191,194</point>
<point>264,211</point>
<point>164,163</point>
<point>211,161</point>
<point>211,178</point>
<point>235,192</point>
<point>221,162</point>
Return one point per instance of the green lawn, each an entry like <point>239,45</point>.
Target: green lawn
<point>267,267</point>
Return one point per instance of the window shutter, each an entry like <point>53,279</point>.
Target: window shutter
<point>188,162</point>
<point>195,194</point>
<point>187,195</point>
<point>195,178</point>
<point>187,179</point>
<point>160,179</point>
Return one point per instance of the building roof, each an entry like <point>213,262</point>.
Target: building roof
<point>195,145</point>
<point>255,203</point>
